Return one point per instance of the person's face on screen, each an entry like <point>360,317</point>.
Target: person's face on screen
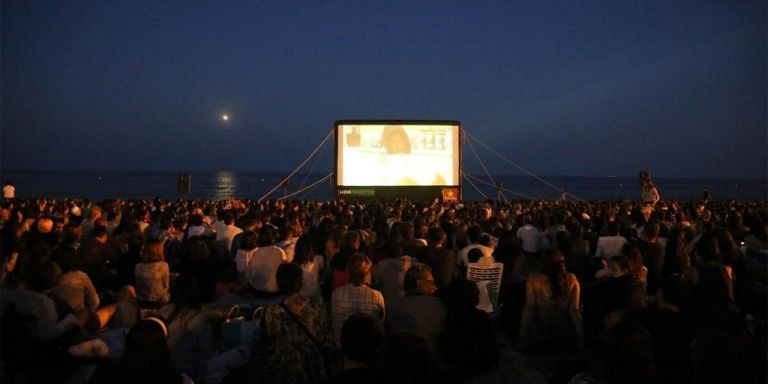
<point>395,140</point>
<point>399,143</point>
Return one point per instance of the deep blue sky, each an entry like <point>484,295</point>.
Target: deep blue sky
<point>560,87</point>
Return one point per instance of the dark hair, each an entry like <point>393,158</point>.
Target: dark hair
<point>266,236</point>
<point>249,240</point>
<point>147,358</point>
<point>727,247</point>
<point>485,240</point>
<point>304,252</point>
<point>350,238</point>
<point>461,294</point>
<point>153,251</point>
<point>413,275</point>
<point>614,228</point>
<point>474,255</point>
<point>715,358</point>
<point>66,258</point>
<point>676,290</point>
<point>393,249</point>
<point>651,229</point>
<point>185,291</point>
<point>621,261</point>
<point>358,268</point>
<point>362,337</point>
<point>42,275</point>
<point>435,235</point>
<point>409,358</point>
<point>99,231</point>
<point>289,278</point>
<point>707,248</point>
<point>553,266</point>
<point>196,220</point>
<point>629,353</point>
<point>474,233</point>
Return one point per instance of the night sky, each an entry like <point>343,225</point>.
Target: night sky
<point>581,88</point>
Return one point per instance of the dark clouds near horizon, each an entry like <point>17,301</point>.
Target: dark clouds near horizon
<point>562,88</point>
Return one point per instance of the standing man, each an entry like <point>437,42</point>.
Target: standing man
<point>9,191</point>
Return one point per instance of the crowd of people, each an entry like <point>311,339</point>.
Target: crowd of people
<point>658,291</point>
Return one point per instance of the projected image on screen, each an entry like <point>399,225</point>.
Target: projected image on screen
<point>397,154</point>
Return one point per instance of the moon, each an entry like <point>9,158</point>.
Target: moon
<point>225,117</point>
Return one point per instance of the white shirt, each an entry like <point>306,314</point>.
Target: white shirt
<point>311,277</point>
<point>261,270</point>
<point>609,246</point>
<point>227,233</point>
<point>529,237</point>
<point>243,257</point>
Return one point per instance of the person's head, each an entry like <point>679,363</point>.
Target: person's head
<point>95,213</point>
<point>651,230</point>
<point>419,280</point>
<point>713,288</point>
<point>304,253</point>
<point>146,341</point>
<point>297,229</point>
<point>289,279</point>
<point>251,223</point>
<point>629,353</point>
<point>153,251</point>
<point>474,255</point>
<point>436,237</point>
<point>196,220</point>
<point>707,249</point>
<point>619,265</point>
<point>249,241</point>
<point>362,338</point>
<point>409,358</point>
<point>395,140</point>
<point>715,358</point>
<point>474,233</point>
<point>613,228</point>
<point>359,269</point>
<point>66,258</point>
<point>185,291</point>
<point>44,225</point>
<point>229,219</point>
<point>267,236</point>
<point>553,266</point>
<point>674,291</point>
<point>196,249</point>
<point>100,234</point>
<point>351,240</point>
<point>42,275</point>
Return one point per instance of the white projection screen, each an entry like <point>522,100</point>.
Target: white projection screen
<point>397,154</point>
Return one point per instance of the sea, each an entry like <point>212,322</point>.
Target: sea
<point>101,185</point>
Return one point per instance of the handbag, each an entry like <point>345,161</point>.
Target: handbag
<point>324,354</point>
<point>239,331</point>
